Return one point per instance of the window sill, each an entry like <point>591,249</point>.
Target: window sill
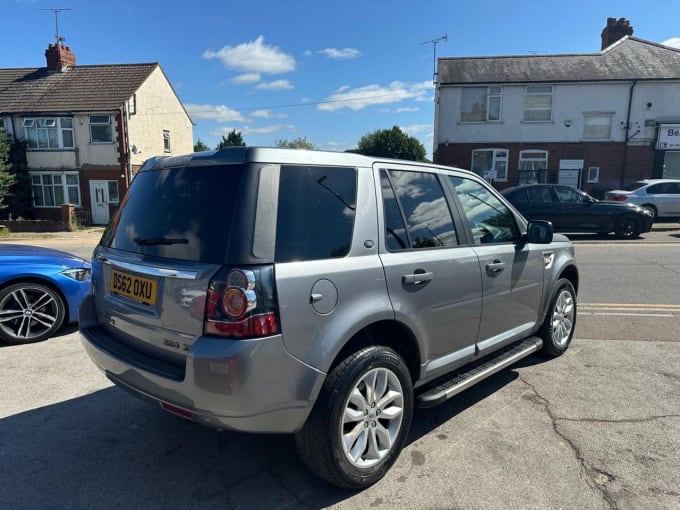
<point>536,122</point>
<point>66,149</point>
<point>102,143</point>
<point>466,122</point>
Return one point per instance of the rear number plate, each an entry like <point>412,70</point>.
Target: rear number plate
<point>133,287</point>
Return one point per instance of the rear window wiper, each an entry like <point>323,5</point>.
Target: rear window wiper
<point>150,241</point>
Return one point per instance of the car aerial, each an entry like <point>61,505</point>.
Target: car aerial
<point>320,294</point>
<point>572,210</point>
<point>661,196</point>
<point>40,290</point>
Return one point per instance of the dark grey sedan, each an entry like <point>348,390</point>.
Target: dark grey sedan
<point>572,210</point>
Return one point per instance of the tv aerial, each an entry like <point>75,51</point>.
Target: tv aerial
<point>56,12</point>
<point>434,43</point>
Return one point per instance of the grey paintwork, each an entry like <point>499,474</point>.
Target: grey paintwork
<point>467,308</point>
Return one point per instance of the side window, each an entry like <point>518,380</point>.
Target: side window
<point>315,217</point>
<point>490,220</point>
<point>416,212</point>
<point>568,195</point>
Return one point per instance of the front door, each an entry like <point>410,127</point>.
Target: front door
<point>99,200</point>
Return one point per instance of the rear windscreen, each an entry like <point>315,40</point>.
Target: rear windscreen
<point>179,213</point>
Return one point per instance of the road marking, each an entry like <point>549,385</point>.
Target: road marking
<point>628,309</point>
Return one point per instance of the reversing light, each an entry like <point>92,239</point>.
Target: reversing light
<point>237,302</point>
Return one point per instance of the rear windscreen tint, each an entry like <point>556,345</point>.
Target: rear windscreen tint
<point>179,213</point>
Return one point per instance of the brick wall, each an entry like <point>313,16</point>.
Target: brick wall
<point>607,156</point>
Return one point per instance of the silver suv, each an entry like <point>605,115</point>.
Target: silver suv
<point>320,294</point>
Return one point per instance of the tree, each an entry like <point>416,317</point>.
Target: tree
<point>199,146</point>
<point>233,139</point>
<point>392,143</point>
<point>298,143</point>
<point>6,178</point>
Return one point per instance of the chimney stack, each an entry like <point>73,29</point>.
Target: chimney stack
<point>616,29</point>
<point>59,58</point>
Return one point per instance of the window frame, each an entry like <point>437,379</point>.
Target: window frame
<point>595,115</point>
<point>65,185</point>
<point>47,124</point>
<point>492,93</point>
<point>593,174</point>
<point>97,124</point>
<point>533,108</point>
<point>494,162</point>
<point>166,141</point>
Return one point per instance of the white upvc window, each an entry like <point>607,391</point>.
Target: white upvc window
<point>597,126</point>
<point>53,189</point>
<point>594,174</point>
<point>492,164</point>
<point>538,103</point>
<point>481,104</point>
<point>49,132</point>
<point>533,165</point>
<point>100,129</point>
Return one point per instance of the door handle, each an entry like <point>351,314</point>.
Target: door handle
<point>417,278</point>
<point>495,267</point>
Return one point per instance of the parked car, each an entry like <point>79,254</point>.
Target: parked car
<point>572,210</point>
<point>40,290</point>
<point>320,294</point>
<point>661,196</point>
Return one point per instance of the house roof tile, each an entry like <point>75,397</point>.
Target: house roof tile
<point>79,89</point>
<point>629,58</point>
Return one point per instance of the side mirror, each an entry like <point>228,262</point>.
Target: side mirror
<point>539,232</point>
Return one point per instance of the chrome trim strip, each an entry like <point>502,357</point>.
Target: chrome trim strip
<point>157,272</point>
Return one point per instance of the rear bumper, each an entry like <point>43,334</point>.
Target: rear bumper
<point>248,386</point>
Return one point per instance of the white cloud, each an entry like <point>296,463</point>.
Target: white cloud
<point>308,53</point>
<point>673,42</point>
<point>253,57</point>
<point>343,54</point>
<point>275,85</point>
<point>246,78</point>
<point>406,110</point>
<point>246,130</point>
<point>218,113</point>
<point>268,114</point>
<point>415,128</point>
<point>362,97</point>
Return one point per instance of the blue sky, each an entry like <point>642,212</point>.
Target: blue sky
<point>326,70</point>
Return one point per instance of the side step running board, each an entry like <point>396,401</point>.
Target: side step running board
<point>459,381</point>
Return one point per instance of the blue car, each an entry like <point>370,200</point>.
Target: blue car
<point>40,290</point>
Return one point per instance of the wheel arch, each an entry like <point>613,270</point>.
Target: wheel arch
<point>388,333</point>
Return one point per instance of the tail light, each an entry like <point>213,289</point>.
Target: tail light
<point>241,303</point>
<point>618,198</point>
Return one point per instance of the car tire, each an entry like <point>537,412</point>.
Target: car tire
<point>30,312</point>
<point>560,320</point>
<point>628,227</point>
<point>354,434</point>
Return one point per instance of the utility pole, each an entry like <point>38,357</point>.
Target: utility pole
<point>56,21</point>
<point>434,55</point>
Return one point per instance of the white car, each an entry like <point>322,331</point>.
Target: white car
<point>661,196</point>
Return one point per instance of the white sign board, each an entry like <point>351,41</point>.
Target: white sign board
<point>669,137</point>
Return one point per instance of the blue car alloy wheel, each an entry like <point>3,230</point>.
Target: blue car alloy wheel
<point>29,312</point>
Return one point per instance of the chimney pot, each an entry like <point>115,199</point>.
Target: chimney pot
<point>59,58</point>
<point>616,29</point>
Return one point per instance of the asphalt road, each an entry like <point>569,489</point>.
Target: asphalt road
<point>596,428</point>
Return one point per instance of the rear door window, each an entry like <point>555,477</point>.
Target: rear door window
<point>178,213</point>
<point>417,214</point>
<point>316,210</point>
